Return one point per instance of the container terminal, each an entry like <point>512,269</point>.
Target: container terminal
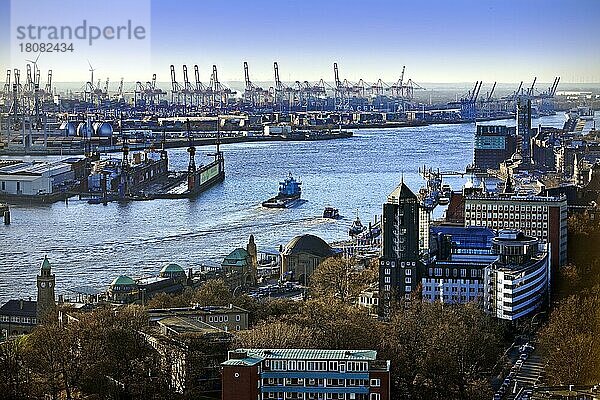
<point>38,118</point>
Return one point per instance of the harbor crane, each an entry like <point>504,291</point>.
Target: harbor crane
<point>199,88</point>
<point>283,96</point>
<point>254,96</point>
<point>176,88</point>
<point>220,94</point>
<point>187,90</point>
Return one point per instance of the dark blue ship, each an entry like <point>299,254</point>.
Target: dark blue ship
<point>289,193</point>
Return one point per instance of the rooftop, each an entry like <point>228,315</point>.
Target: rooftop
<point>238,257</point>
<point>195,310</point>
<point>401,192</point>
<point>254,356</point>
<point>25,308</point>
<point>532,198</point>
<point>310,244</point>
<point>33,168</point>
<point>181,325</point>
<point>171,268</point>
<point>511,235</point>
<point>122,280</point>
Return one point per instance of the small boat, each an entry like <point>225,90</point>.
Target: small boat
<point>289,193</point>
<point>357,227</point>
<point>331,213</point>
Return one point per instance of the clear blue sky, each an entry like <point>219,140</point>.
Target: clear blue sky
<point>438,41</point>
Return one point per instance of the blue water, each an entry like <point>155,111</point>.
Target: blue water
<point>92,244</point>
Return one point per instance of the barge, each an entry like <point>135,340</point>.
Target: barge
<point>288,195</point>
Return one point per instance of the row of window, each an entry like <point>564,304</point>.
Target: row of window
<point>387,279</point>
<point>475,272</point>
<point>446,298</point>
<point>500,225</point>
<point>505,207</point>
<point>321,396</point>
<point>523,216</point>
<point>407,288</point>
<point>221,318</point>
<point>452,281</point>
<point>368,300</point>
<point>403,264</point>
<point>309,382</point>
<point>453,289</point>
<point>335,366</point>
<point>17,319</point>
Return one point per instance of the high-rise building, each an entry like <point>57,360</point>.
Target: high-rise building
<point>251,374</point>
<point>544,218</point>
<point>517,283</point>
<point>524,129</point>
<point>45,289</point>
<point>399,262</point>
<point>493,145</point>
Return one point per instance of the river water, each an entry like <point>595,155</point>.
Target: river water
<point>92,244</point>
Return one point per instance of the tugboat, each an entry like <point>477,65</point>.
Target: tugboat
<point>357,227</point>
<point>289,194</point>
<point>331,213</point>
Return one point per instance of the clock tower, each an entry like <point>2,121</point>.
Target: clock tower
<point>45,289</point>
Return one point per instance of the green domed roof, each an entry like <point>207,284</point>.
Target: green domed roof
<point>238,257</point>
<point>46,264</point>
<point>123,280</point>
<point>171,268</point>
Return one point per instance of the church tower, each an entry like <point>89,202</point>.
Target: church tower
<point>45,289</point>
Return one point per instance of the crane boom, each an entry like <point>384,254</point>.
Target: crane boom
<point>173,80</point>
<point>247,77</point>
<point>491,92</point>
<point>277,81</point>
<point>530,91</point>
<point>477,92</point>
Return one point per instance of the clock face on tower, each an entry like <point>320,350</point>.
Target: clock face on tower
<point>43,284</point>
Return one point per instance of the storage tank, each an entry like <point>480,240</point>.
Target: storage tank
<point>82,130</point>
<point>68,128</point>
<point>103,129</point>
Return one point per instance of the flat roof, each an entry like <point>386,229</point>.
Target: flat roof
<point>257,355</point>
<point>33,168</point>
<point>187,325</point>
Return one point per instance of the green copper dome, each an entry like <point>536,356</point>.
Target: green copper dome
<point>46,264</point>
<point>172,269</point>
<point>237,258</point>
<point>123,280</point>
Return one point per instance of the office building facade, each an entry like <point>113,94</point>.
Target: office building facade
<point>261,374</point>
<point>399,263</point>
<point>517,284</point>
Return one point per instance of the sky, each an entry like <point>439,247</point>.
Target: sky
<point>437,41</point>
